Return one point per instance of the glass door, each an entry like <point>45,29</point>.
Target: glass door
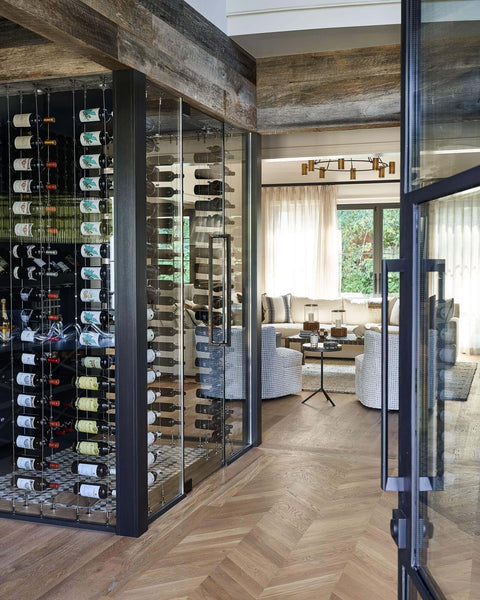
<point>437,523</point>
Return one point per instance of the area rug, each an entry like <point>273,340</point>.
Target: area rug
<point>338,376</point>
<point>458,381</point>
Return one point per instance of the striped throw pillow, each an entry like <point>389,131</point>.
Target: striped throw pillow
<point>276,310</point>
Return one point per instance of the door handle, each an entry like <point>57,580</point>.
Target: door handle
<point>389,484</point>
<point>226,293</point>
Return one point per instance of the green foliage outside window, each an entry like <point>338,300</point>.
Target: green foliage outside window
<point>356,227</point>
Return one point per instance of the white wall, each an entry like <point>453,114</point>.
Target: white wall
<point>213,10</point>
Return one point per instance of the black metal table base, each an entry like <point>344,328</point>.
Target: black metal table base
<point>321,388</point>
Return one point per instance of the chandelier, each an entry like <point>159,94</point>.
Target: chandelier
<point>351,165</point>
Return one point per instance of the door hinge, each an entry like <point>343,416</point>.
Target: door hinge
<point>398,528</point>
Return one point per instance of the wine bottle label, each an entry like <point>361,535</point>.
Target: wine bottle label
<point>39,262</point>
<point>23,142</point>
<point>89,161</point>
<point>23,462</point>
<point>22,164</point>
<point>151,417</point>
<point>90,295</point>
<point>91,250</point>
<point>150,335</point>
<point>62,266</point>
<point>22,208</point>
<point>23,229</point>
<point>90,448</point>
<point>91,273</point>
<point>90,317</point>
<point>25,441</point>
<point>87,404</point>
<point>26,379</point>
<point>91,228</point>
<point>22,186</point>
<point>151,479</point>
<point>86,426</point>
<point>90,138</point>
<point>87,470</point>
<point>28,359</point>
<point>26,400</point>
<point>21,120</point>
<point>90,206</point>
<point>26,484</point>
<point>88,115</point>
<point>88,338</point>
<point>27,335</point>
<point>150,314</point>
<point>26,421</point>
<point>87,383</point>
<point>89,184</point>
<point>92,362</point>
<point>89,491</point>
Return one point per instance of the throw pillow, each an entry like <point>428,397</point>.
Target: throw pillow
<point>395,314</point>
<point>277,309</point>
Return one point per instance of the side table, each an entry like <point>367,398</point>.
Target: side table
<point>321,350</point>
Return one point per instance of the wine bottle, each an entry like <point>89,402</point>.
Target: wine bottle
<point>91,115</point>
<point>60,266</point>
<point>160,191</point>
<point>89,469</point>
<point>152,355</point>
<point>30,442</point>
<point>35,315</point>
<point>214,188</point>
<point>152,375</point>
<point>214,205</point>
<point>95,250</point>
<point>166,346</point>
<point>151,478</point>
<point>101,318</point>
<point>95,273</point>
<point>214,172</point>
<point>162,331</point>
<point>6,327</point>
<point>94,383</point>
<point>95,295</point>
<point>168,392</point>
<point>29,142</point>
<point>95,138</point>
<point>89,404</point>
<point>32,164</point>
<point>92,448</point>
<point>152,396</point>
<point>30,120</point>
<point>202,315</point>
<point>35,464</point>
<point>95,161</point>
<point>31,401</point>
<point>4,266</point>
<point>89,490</point>
<point>31,229</point>
<point>32,273</point>
<point>98,362</point>
<point>156,175</point>
<point>31,422</point>
<point>153,436</point>
<point>209,409</point>
<point>31,186</point>
<point>34,484</point>
<point>95,184</point>
<point>94,206</point>
<point>164,160</point>
<point>166,422</point>
<point>214,156</point>
<point>37,294</point>
<point>204,268</point>
<point>93,426</point>
<point>96,228</point>
<point>28,358</point>
<point>211,424</point>
<point>31,251</point>
<point>34,379</point>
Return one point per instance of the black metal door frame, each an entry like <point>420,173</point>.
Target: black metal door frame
<point>406,519</point>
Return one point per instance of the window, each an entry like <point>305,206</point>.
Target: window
<point>367,235</point>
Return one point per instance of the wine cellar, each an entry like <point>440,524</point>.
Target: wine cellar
<point>126,375</point>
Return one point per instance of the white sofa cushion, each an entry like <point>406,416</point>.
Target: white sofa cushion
<point>324,309</point>
<point>395,314</point>
<point>276,309</point>
<point>358,311</point>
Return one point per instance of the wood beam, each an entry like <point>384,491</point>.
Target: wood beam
<point>329,90</point>
<point>124,33</point>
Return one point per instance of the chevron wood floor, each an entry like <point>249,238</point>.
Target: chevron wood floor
<point>301,517</point>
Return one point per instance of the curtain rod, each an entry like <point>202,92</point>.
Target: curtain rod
<point>328,183</point>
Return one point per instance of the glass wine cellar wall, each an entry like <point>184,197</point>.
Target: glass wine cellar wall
<point>123,332</point>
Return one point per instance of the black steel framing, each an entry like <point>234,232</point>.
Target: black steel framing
<point>411,199</point>
<point>130,306</point>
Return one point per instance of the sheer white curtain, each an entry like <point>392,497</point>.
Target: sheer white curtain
<point>455,236</point>
<point>300,241</point>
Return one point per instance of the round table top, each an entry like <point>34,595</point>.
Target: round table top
<point>321,348</point>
